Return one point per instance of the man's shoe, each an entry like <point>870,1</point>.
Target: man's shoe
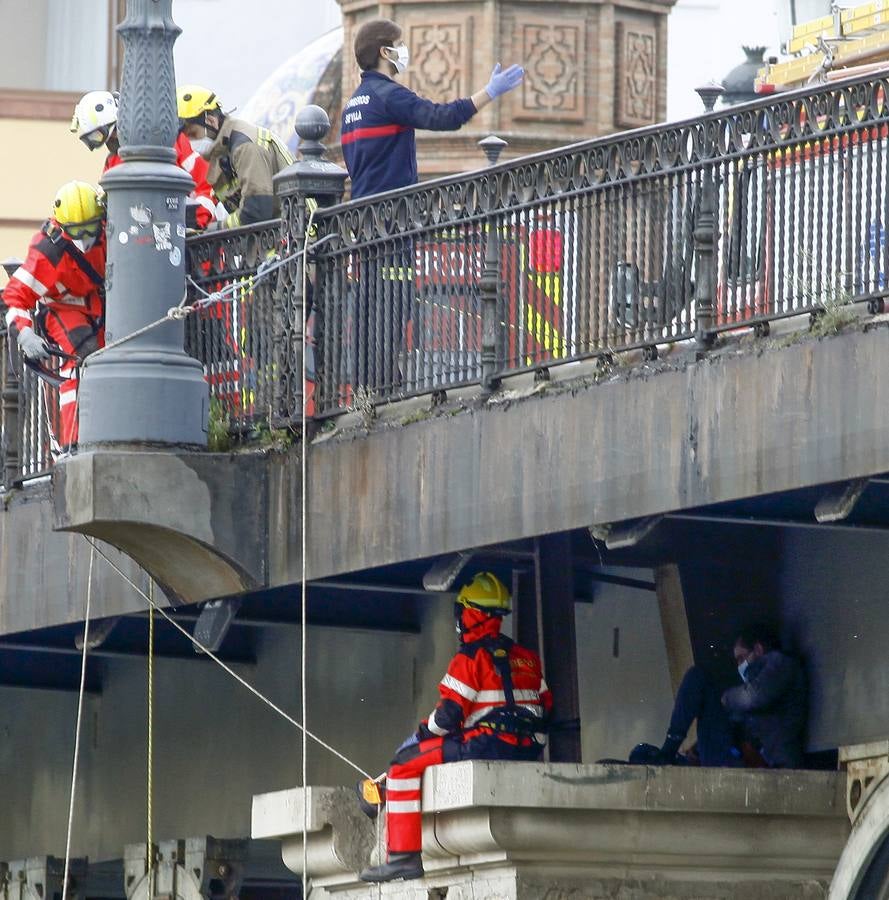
<point>406,866</point>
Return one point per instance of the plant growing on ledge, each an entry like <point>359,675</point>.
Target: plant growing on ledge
<point>219,439</point>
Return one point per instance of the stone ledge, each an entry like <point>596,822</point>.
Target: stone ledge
<point>197,522</point>
<point>519,829</point>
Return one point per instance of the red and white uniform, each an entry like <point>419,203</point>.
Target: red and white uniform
<point>472,691</point>
<point>201,204</point>
<point>53,277</point>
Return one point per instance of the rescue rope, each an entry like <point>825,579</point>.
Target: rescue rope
<point>311,206</point>
<point>211,655</point>
<point>183,311</point>
<point>86,635</point>
<point>149,851</point>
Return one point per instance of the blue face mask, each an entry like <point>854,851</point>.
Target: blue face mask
<point>742,670</point>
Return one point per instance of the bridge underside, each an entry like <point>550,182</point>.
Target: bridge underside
<point>713,468</point>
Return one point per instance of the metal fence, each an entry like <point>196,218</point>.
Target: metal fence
<point>30,417</point>
<point>653,236</point>
<point>233,336</point>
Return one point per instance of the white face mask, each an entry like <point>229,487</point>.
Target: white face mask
<point>403,57</point>
<point>202,145</point>
<point>742,670</point>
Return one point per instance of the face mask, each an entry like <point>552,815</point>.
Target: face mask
<point>402,59</point>
<point>202,145</point>
<point>742,670</point>
<point>86,243</point>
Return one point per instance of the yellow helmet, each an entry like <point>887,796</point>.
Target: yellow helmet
<point>77,203</point>
<point>486,592</point>
<point>192,101</point>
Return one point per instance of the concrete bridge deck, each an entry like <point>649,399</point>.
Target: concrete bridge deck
<point>669,436</point>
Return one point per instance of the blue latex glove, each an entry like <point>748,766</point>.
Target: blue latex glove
<point>409,742</point>
<point>501,82</point>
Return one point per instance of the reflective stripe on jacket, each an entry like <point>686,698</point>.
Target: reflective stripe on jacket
<point>379,145</point>
<point>200,204</point>
<point>50,275</point>
<point>472,689</point>
<point>244,159</point>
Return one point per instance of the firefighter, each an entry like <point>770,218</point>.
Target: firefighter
<point>494,703</point>
<point>56,298</point>
<point>243,157</point>
<point>95,123</point>
<point>378,121</point>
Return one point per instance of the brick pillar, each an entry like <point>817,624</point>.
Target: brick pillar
<point>596,68</point>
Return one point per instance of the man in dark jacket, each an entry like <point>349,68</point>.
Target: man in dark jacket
<point>379,119</point>
<point>760,722</point>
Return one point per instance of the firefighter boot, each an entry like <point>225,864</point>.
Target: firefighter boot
<point>401,865</point>
<point>371,796</point>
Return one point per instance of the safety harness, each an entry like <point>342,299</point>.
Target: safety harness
<point>511,718</point>
<point>55,234</point>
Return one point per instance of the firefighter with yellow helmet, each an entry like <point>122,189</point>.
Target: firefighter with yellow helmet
<point>244,158</point>
<point>56,298</point>
<point>493,705</point>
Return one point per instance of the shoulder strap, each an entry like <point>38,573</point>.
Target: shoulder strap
<point>83,263</point>
<point>499,651</point>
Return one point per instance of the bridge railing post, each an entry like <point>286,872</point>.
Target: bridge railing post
<point>309,183</point>
<point>706,235</point>
<point>489,284</point>
<point>10,400</point>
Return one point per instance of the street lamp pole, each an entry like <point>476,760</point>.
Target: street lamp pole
<point>147,390</point>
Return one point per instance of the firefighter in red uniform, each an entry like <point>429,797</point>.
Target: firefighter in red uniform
<point>494,703</point>
<point>57,296</point>
<point>95,123</point>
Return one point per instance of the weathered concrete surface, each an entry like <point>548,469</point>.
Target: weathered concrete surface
<point>734,425</point>
<point>43,573</point>
<point>661,438</point>
<point>196,522</point>
<point>526,830</point>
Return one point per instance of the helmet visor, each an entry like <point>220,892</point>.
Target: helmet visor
<point>84,230</point>
<point>96,138</point>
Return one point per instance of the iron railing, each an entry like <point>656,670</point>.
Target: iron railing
<point>30,417</point>
<point>664,234</point>
<point>233,336</point>
<point>657,235</point>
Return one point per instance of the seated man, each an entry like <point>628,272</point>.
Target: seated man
<point>760,722</point>
<point>493,705</point>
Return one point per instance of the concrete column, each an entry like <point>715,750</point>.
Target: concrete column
<point>146,390</point>
<point>556,587</point>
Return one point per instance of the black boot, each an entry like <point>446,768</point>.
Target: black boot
<point>401,865</point>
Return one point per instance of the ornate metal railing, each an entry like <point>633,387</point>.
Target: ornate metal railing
<point>233,336</point>
<point>658,235</point>
<point>30,418</point>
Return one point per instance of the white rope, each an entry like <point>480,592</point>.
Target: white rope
<point>258,694</point>
<point>303,522</point>
<point>177,313</point>
<point>86,635</point>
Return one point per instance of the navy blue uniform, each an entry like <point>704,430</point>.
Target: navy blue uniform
<point>378,139</point>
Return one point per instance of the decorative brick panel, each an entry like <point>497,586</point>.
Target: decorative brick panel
<point>440,57</point>
<point>555,70</point>
<point>636,82</point>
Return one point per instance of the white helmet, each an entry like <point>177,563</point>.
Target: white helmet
<point>95,117</point>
